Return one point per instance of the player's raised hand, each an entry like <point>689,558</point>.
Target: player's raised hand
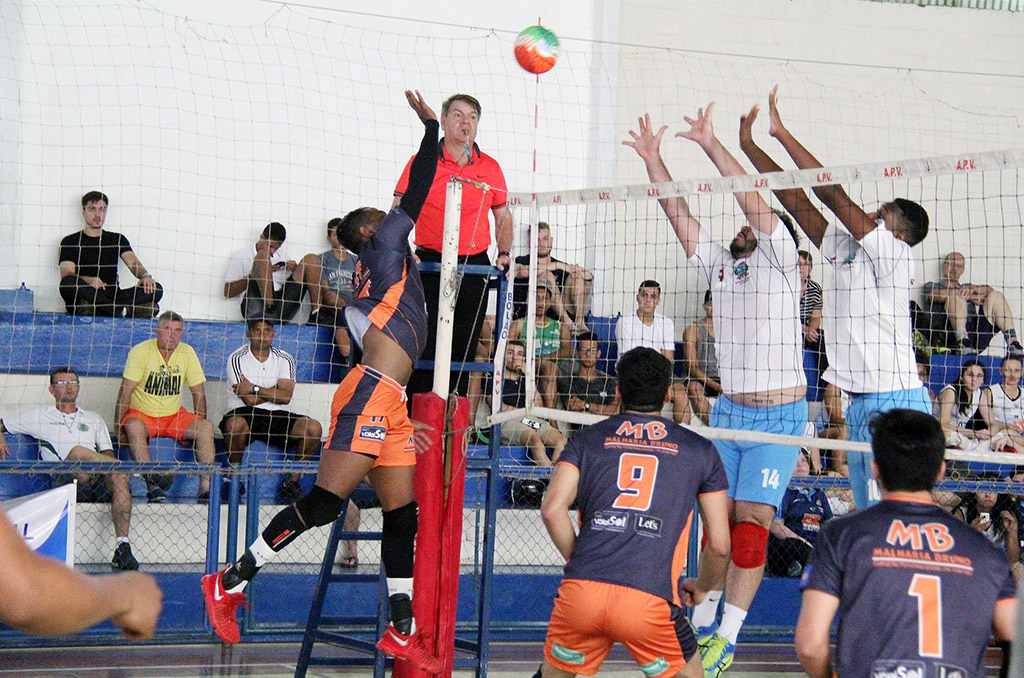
<point>747,125</point>
<point>419,104</point>
<point>646,142</point>
<point>701,130</point>
<point>775,126</point>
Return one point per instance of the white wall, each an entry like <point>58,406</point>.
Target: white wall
<point>203,121</point>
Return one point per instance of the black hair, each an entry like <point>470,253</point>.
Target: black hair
<point>274,231</point>
<point>465,98</point>
<point>94,196</point>
<point>968,510</point>
<point>915,220</point>
<point>804,254</point>
<point>63,369</point>
<point>251,323</point>
<point>348,230</point>
<point>1011,356</point>
<point>586,336</point>
<point>333,224</point>
<point>516,342</point>
<point>909,447</point>
<point>644,378</point>
<point>962,397</point>
<point>649,283</point>
<point>707,296</point>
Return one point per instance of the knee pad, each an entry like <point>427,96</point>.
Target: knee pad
<point>749,545</point>
<point>319,507</point>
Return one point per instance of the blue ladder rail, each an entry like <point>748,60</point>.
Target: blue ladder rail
<point>317,619</point>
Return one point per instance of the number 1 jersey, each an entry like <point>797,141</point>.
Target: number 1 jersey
<point>639,478</point>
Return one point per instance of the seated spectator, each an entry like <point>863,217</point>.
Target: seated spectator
<point>553,342</point>
<point>965,316</point>
<point>648,328</point>
<point>796,525</point>
<point>88,269</point>
<point>1002,408</point>
<point>924,371</point>
<point>586,388</point>
<point>571,285</point>
<point>328,278</point>
<point>536,434</point>
<point>810,311</point>
<point>702,362</point>
<point>959,405</point>
<point>66,432</point>
<point>271,285</point>
<point>261,381</point>
<point>149,402</point>
<point>995,516</point>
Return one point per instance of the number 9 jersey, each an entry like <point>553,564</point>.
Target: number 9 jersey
<point>639,478</point>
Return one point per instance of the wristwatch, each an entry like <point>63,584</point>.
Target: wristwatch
<point>586,407</point>
<point>255,390</point>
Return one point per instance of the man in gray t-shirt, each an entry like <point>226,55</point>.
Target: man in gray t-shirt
<point>329,280</point>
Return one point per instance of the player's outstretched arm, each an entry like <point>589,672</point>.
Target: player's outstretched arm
<point>421,174</point>
<point>560,495</point>
<point>812,642</point>
<point>753,205</point>
<point>41,596</point>
<point>794,200</point>
<point>647,145</point>
<point>714,558</point>
<point>834,197</point>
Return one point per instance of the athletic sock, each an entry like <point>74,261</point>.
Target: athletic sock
<point>122,540</point>
<point>245,568</point>
<point>400,585</point>
<point>706,611</point>
<point>732,620</point>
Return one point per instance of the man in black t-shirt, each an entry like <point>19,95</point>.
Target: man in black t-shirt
<point>88,269</point>
<point>572,283</point>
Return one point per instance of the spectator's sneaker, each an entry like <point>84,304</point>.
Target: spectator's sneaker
<point>1014,349</point>
<point>123,558</point>
<point>155,494</point>
<point>705,634</point>
<point>289,490</point>
<point>400,640</point>
<point>717,656</point>
<point>222,607</point>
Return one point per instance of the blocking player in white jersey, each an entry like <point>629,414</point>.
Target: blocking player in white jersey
<point>1002,407</point>
<point>756,287</point>
<point>867,312</point>
<point>66,432</point>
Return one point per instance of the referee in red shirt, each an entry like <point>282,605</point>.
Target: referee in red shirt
<point>459,156</point>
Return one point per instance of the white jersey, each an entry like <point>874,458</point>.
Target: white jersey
<point>278,365</point>
<point>240,264</point>
<point>961,419</point>
<point>1004,408</point>
<point>631,332</point>
<point>58,432</point>
<point>867,318</point>
<point>756,313</point>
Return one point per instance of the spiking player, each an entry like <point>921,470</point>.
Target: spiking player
<point>370,431</point>
<point>918,591</point>
<point>636,476</point>
<point>867,313</point>
<point>756,287</point>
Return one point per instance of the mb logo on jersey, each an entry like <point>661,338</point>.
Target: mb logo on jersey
<point>378,433</point>
<point>897,668</point>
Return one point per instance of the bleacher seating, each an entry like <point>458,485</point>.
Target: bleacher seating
<point>22,448</point>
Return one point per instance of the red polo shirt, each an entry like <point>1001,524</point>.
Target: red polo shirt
<point>475,229</point>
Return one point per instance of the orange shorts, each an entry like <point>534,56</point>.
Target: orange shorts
<point>171,426</point>
<point>368,416</point>
<point>589,616</point>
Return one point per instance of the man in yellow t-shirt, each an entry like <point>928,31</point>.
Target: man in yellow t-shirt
<point>149,402</point>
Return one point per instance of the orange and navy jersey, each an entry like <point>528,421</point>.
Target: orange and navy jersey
<point>387,287</point>
<point>639,478</point>
<point>916,590</point>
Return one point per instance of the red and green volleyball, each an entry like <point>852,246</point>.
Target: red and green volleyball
<point>536,49</point>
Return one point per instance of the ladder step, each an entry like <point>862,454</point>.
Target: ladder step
<point>345,640</point>
<point>353,578</point>
<point>341,661</point>
<point>346,621</point>
<point>467,645</point>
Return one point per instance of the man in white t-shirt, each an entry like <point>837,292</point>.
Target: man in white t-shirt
<point>271,285</point>
<point>66,432</point>
<point>755,283</point>
<point>650,329</point>
<point>261,381</point>
<point>868,333</point>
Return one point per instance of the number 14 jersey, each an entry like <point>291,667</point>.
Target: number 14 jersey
<point>639,478</point>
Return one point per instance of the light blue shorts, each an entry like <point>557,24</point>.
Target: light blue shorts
<point>758,472</point>
<point>862,408</point>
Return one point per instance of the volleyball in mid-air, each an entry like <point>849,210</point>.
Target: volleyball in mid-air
<point>536,49</point>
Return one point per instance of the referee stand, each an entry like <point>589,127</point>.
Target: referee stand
<point>439,538</point>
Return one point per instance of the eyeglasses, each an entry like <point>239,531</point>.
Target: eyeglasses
<point>66,382</point>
